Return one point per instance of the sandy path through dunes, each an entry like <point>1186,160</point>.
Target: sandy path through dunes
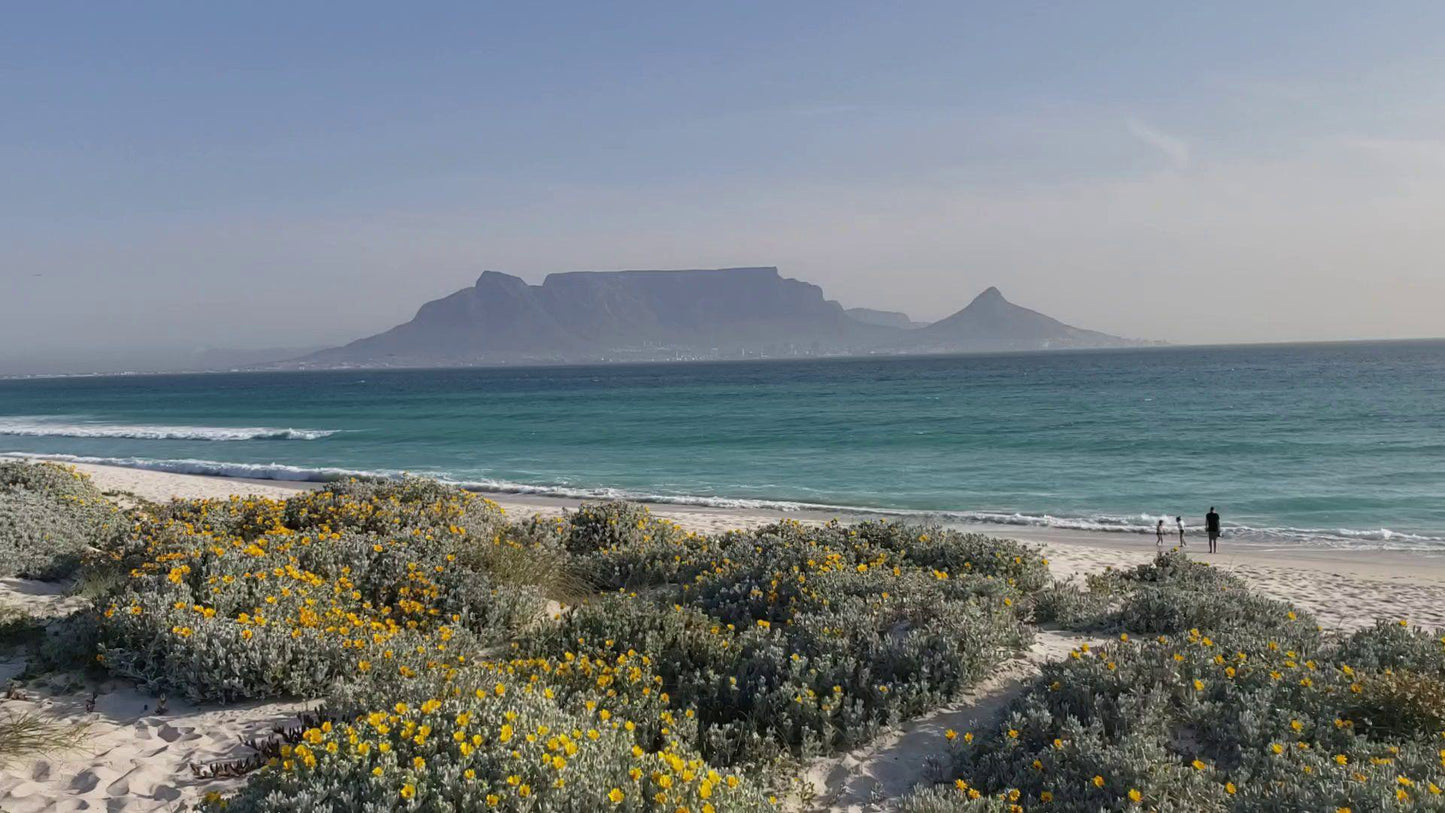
<point>909,755</point>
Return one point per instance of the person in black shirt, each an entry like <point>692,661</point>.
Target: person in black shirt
<point>1211,527</point>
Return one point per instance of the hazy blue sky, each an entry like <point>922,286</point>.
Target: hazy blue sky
<point>254,174</point>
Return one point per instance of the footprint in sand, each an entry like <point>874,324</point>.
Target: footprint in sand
<point>121,786</point>
<point>86,781</point>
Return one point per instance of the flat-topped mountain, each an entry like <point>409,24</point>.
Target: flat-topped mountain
<point>871,316</point>
<point>600,316</point>
<point>618,316</point>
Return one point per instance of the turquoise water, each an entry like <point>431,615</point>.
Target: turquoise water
<point>1322,444</point>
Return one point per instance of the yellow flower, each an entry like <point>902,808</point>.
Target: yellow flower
<point>1199,765</point>
<point>616,796</point>
<point>950,735</point>
<point>408,790</point>
<point>1098,781</point>
<point>1135,796</point>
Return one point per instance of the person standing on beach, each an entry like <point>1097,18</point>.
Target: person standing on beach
<point>1211,527</point>
<point>1180,522</point>
<point>1159,534</point>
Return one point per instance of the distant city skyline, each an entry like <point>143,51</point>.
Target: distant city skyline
<point>182,176</point>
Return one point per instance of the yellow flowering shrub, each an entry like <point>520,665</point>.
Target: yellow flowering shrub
<point>795,640</point>
<point>478,735</point>
<point>256,598</point>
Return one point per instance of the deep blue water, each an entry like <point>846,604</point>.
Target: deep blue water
<point>1331,444</point>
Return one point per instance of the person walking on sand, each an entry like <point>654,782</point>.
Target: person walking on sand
<point>1211,527</point>
<point>1180,522</point>
<point>1159,534</point>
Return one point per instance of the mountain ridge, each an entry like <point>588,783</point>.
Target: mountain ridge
<point>691,314</point>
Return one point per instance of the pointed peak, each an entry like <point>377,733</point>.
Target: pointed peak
<point>992,294</point>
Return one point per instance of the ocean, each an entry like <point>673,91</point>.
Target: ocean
<point>1339,445</point>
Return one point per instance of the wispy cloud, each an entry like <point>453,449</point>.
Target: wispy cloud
<point>1173,148</point>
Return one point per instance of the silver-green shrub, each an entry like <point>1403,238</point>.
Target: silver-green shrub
<point>1248,708</point>
<point>795,640</point>
<point>258,598</point>
<point>50,516</point>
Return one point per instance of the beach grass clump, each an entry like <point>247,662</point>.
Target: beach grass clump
<point>1259,712</point>
<point>27,734</point>
<point>248,598</point>
<point>50,517</point>
<point>796,640</point>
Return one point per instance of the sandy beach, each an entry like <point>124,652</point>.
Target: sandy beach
<point>137,757</point>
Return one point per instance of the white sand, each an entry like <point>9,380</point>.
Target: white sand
<point>132,758</point>
<point>137,760</point>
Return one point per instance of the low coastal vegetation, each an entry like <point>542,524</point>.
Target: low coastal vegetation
<point>49,517</point>
<point>610,660</point>
<point>1216,699</point>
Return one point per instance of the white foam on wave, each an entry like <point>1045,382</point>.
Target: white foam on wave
<point>214,468</point>
<point>1344,538</point>
<point>50,428</point>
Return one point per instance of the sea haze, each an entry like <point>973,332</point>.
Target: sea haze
<point>1340,445</point>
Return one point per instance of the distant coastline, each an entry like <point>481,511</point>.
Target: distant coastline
<point>1152,345</point>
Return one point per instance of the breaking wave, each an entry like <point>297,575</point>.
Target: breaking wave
<point>39,428</point>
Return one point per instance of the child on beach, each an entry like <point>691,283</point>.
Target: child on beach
<point>1159,533</point>
<point>1180,522</point>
